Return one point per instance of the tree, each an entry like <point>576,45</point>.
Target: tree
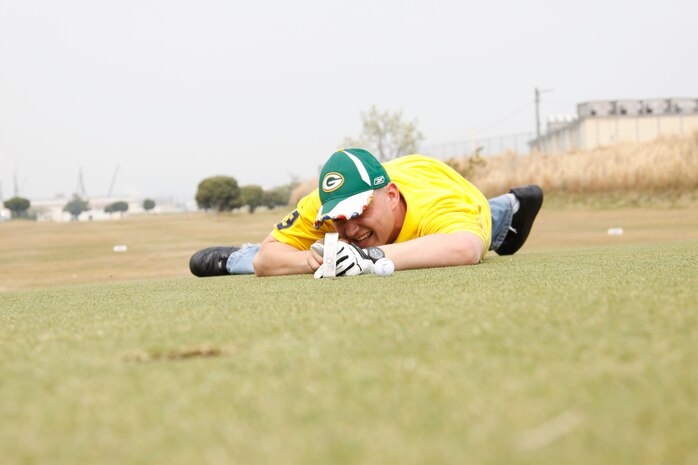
<point>280,196</point>
<point>252,197</point>
<point>219,192</point>
<point>76,206</point>
<point>276,197</point>
<point>116,207</point>
<point>148,204</point>
<point>18,206</point>
<point>386,135</point>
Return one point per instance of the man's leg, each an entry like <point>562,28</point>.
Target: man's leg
<point>502,209</point>
<point>240,262</point>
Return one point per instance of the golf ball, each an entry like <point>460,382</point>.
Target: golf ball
<point>384,267</point>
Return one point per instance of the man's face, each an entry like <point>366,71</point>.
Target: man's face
<point>376,226</point>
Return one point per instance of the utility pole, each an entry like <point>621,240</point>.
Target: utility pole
<point>537,102</point>
<point>537,92</point>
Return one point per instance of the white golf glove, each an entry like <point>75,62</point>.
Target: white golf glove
<point>351,260</point>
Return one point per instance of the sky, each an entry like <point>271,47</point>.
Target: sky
<point>149,97</point>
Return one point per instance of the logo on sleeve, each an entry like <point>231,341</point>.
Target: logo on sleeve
<point>332,181</point>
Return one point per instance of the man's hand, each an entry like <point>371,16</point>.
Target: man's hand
<point>351,260</point>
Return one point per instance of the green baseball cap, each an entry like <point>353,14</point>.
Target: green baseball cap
<point>347,182</point>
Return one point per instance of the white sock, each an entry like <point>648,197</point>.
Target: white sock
<point>514,202</point>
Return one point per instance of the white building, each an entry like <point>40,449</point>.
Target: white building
<point>52,209</point>
<point>608,122</point>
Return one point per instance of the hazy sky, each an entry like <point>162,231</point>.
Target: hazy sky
<point>173,91</point>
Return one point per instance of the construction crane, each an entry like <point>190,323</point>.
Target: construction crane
<point>81,185</point>
<point>113,180</point>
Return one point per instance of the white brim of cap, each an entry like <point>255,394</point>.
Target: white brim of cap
<point>348,208</point>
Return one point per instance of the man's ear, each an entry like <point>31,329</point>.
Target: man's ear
<point>393,195</point>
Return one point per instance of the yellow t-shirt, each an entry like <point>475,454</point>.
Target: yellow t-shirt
<point>439,201</point>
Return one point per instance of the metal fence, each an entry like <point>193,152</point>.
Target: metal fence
<point>485,146</point>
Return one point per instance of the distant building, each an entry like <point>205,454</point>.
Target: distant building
<point>608,122</point>
<point>52,209</point>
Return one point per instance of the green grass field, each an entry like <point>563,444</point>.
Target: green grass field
<point>578,350</point>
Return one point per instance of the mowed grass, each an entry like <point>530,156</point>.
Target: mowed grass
<point>559,354</point>
<point>54,254</point>
<point>34,255</point>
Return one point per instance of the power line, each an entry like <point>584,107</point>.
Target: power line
<point>554,102</point>
<point>507,117</point>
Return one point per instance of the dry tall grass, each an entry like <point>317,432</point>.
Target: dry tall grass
<point>301,190</point>
<point>668,163</point>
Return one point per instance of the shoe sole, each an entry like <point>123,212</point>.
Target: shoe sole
<point>531,201</point>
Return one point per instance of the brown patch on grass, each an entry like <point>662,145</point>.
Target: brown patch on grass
<point>174,355</point>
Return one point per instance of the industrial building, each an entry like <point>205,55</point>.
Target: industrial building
<point>609,122</point>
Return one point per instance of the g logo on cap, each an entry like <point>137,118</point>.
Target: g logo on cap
<point>332,181</point>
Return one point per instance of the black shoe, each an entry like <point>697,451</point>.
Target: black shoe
<point>530,201</point>
<point>211,261</point>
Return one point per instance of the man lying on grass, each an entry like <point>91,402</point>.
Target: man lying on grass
<point>414,210</point>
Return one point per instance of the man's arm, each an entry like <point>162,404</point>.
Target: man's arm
<point>436,250</point>
<point>462,248</point>
<point>276,258</point>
